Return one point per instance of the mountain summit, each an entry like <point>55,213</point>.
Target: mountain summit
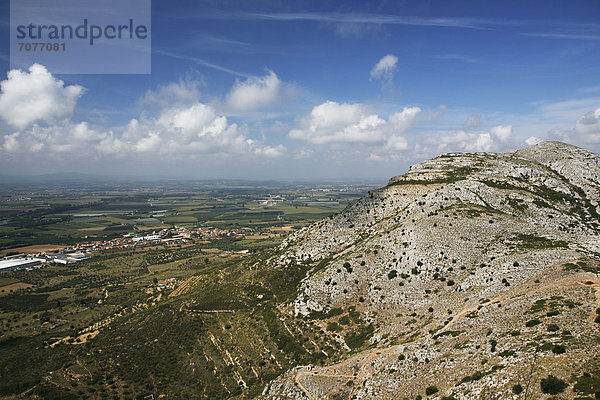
<point>472,276</point>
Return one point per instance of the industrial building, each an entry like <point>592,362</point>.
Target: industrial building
<point>18,263</point>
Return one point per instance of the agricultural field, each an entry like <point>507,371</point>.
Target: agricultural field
<point>201,319</point>
<point>58,215</point>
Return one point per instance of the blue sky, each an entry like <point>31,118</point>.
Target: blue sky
<point>313,90</point>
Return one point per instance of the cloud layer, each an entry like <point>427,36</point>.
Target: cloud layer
<point>183,126</point>
<point>175,124</point>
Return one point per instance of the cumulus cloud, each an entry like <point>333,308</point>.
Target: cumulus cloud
<point>254,93</point>
<point>179,131</point>
<point>333,122</point>
<point>459,140</point>
<point>191,130</point>
<point>463,140</point>
<point>502,132</point>
<point>385,67</point>
<point>34,96</point>
<point>183,126</point>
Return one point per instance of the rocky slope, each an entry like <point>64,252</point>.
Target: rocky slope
<point>472,276</point>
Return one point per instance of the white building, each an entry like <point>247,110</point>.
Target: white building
<point>17,263</point>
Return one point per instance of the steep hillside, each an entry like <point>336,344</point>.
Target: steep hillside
<point>472,276</point>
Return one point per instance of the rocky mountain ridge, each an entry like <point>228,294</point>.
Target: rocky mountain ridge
<point>432,283</point>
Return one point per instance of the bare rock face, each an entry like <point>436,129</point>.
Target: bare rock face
<point>433,280</point>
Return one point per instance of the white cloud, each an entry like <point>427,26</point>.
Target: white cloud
<point>191,130</point>
<point>183,126</point>
<point>531,140</point>
<point>385,67</point>
<point>588,126</point>
<point>585,131</point>
<point>11,143</point>
<point>26,98</point>
<point>502,132</point>
<point>254,93</point>
<point>404,119</point>
<point>482,142</point>
<point>267,151</point>
<point>332,122</point>
<point>462,140</point>
<point>396,143</point>
<point>181,92</point>
<point>176,132</point>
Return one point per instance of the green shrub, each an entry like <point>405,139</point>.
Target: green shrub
<point>431,390</point>
<point>517,389</point>
<point>553,385</point>
<point>558,349</point>
<point>335,312</point>
<point>333,327</point>
<point>588,384</point>
<point>506,353</point>
<point>532,322</point>
<point>356,339</point>
<point>348,267</point>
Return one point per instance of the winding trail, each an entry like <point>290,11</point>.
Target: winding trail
<point>363,360</point>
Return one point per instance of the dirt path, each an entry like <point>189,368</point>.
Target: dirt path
<point>346,364</point>
<point>593,313</point>
<point>579,279</point>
